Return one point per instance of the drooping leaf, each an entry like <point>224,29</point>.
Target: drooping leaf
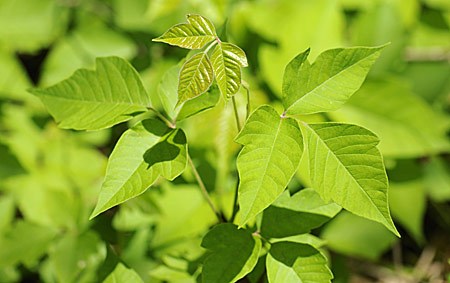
<point>406,124</point>
<point>227,60</point>
<point>196,76</point>
<point>234,253</point>
<point>355,236</point>
<point>92,100</point>
<point>296,263</point>
<point>143,153</point>
<point>329,82</point>
<point>346,167</point>
<point>297,214</point>
<point>123,274</point>
<point>200,103</point>
<point>270,157</point>
<point>195,34</point>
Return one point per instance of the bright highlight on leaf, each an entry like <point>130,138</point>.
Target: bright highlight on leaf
<point>346,167</point>
<point>141,155</point>
<point>195,34</point>
<point>234,253</point>
<point>92,100</point>
<point>227,60</point>
<point>270,157</point>
<point>196,76</point>
<point>329,82</point>
<point>296,263</point>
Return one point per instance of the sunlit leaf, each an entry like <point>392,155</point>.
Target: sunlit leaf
<point>227,60</point>
<point>141,155</point>
<point>234,253</point>
<point>297,214</point>
<point>97,99</point>
<point>296,263</point>
<point>196,77</point>
<point>270,157</point>
<point>123,274</point>
<point>195,34</point>
<point>329,82</point>
<point>346,167</point>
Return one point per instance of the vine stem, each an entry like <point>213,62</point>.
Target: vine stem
<point>236,115</point>
<point>247,89</point>
<point>203,189</point>
<point>167,121</point>
<point>235,204</point>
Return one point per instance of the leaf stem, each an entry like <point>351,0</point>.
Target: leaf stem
<point>203,189</point>
<point>167,121</point>
<point>235,205</point>
<point>236,115</point>
<point>210,46</point>
<point>247,89</point>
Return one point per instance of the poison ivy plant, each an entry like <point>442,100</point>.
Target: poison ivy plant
<point>266,223</point>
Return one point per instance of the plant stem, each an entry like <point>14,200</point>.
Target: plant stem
<point>235,205</point>
<point>247,89</point>
<point>236,115</point>
<point>203,189</point>
<point>210,46</point>
<point>160,116</point>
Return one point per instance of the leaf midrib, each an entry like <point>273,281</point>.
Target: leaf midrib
<point>133,103</point>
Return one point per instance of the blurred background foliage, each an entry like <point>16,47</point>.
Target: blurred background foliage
<point>50,178</point>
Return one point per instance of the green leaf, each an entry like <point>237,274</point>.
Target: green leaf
<point>296,263</point>
<point>92,100</point>
<point>346,167</point>
<point>123,274</point>
<point>270,157</point>
<point>356,236</point>
<point>437,179</point>
<point>407,125</point>
<point>227,60</point>
<point>234,253</point>
<point>298,214</point>
<point>401,196</point>
<point>329,82</point>
<point>141,155</point>
<point>195,34</point>
<point>168,91</point>
<point>200,103</point>
<point>196,76</point>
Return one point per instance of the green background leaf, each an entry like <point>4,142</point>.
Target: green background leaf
<point>270,157</point>
<point>92,100</point>
<point>123,274</point>
<point>234,253</point>
<point>346,167</point>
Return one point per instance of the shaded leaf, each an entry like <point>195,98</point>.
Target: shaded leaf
<point>329,82</point>
<point>227,60</point>
<point>346,167</point>
<point>296,262</point>
<point>199,103</point>
<point>297,214</point>
<point>141,155</point>
<point>123,274</point>
<point>270,157</point>
<point>195,34</point>
<point>234,253</point>
<point>92,100</point>
<point>196,77</point>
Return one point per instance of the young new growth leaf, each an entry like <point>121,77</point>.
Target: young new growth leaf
<point>142,154</point>
<point>227,60</point>
<point>198,32</point>
<point>346,167</point>
<point>329,82</point>
<point>196,76</point>
<point>92,100</point>
<point>270,157</point>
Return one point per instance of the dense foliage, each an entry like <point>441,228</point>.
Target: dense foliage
<point>182,173</point>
